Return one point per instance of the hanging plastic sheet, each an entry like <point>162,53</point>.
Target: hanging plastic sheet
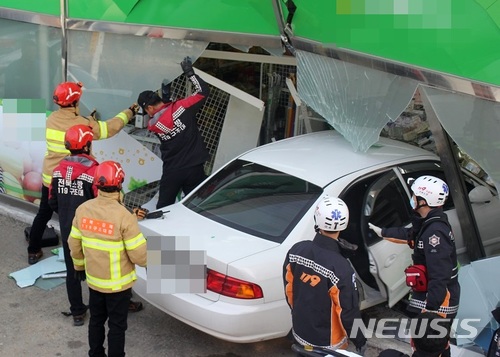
<point>357,101</point>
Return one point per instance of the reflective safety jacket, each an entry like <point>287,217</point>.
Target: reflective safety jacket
<point>106,242</point>
<point>434,248</point>
<point>320,288</point>
<point>63,119</point>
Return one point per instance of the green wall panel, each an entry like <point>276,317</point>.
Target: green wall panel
<point>48,7</point>
<point>459,37</point>
<point>253,17</point>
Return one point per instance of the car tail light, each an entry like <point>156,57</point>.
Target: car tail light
<point>232,287</point>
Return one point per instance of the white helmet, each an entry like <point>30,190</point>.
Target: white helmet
<point>432,189</point>
<point>332,214</point>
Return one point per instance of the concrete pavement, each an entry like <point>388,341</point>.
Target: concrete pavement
<point>31,322</point>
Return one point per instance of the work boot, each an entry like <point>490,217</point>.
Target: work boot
<point>79,320</point>
<point>33,258</point>
<point>135,306</point>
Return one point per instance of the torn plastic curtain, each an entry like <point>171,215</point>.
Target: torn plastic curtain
<point>473,123</point>
<point>357,101</point>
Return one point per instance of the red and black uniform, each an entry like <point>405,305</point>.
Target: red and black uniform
<point>72,184</point>
<point>434,247</point>
<point>320,287</point>
<point>183,150</point>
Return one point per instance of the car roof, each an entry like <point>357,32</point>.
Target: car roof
<point>323,156</point>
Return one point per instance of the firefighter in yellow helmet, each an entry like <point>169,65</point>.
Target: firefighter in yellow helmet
<point>106,244</point>
<point>67,96</point>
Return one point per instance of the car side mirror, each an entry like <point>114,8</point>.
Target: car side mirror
<point>480,194</point>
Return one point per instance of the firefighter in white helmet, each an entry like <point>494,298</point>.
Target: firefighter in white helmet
<point>433,277</point>
<point>320,284</point>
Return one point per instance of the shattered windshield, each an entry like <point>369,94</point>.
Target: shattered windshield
<point>254,199</point>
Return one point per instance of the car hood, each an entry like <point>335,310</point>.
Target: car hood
<point>324,156</point>
<point>223,244</point>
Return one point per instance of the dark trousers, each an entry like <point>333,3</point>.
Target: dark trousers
<point>40,221</point>
<point>447,352</point>
<point>73,286</point>
<point>114,308</point>
<point>172,182</point>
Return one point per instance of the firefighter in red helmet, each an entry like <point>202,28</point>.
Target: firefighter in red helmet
<point>106,244</point>
<point>72,184</point>
<point>67,95</point>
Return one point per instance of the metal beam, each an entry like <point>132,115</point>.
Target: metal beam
<point>455,181</point>
<point>249,57</point>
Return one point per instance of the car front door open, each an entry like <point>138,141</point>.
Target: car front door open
<point>386,205</point>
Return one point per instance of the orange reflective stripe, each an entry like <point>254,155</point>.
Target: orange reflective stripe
<point>289,285</point>
<point>395,240</point>
<point>446,303</point>
<point>337,331</point>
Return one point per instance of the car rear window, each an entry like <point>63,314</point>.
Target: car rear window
<point>254,199</point>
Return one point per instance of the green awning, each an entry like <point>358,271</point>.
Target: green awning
<point>456,37</point>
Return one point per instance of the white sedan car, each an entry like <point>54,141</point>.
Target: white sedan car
<point>252,210</point>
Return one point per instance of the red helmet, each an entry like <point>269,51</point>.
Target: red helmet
<point>67,93</point>
<point>109,174</point>
<point>78,136</point>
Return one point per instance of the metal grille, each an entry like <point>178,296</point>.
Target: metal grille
<point>210,120</point>
<point>277,97</point>
<point>283,71</point>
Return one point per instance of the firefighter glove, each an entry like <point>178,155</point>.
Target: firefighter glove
<point>377,230</point>
<point>187,67</point>
<point>80,275</point>
<point>94,115</point>
<point>140,212</point>
<point>134,108</point>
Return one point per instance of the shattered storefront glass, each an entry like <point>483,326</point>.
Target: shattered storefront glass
<point>115,68</point>
<point>357,101</point>
<point>474,124</point>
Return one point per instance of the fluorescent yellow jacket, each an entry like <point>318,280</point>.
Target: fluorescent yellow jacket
<point>63,119</point>
<point>106,242</point>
